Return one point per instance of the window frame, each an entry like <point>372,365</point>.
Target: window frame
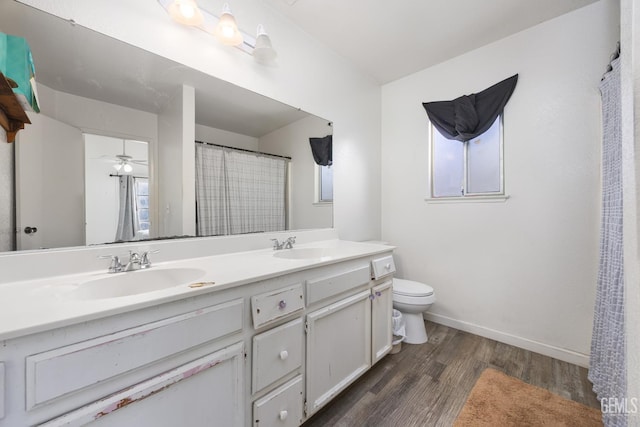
<point>496,196</point>
<point>318,185</point>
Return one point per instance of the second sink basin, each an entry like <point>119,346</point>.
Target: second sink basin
<point>136,282</point>
<point>304,253</point>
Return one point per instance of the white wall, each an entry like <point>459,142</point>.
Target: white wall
<point>307,75</point>
<point>293,141</point>
<point>176,165</point>
<point>7,220</point>
<point>523,271</point>
<point>223,137</point>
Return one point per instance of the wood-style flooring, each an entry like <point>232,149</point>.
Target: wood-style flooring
<point>427,385</point>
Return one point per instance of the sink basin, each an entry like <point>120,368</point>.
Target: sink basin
<point>136,282</point>
<point>304,253</point>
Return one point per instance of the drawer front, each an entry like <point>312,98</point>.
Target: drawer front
<point>57,372</point>
<point>325,287</point>
<point>280,408</point>
<point>383,267</point>
<point>276,353</point>
<point>271,306</point>
<point>209,388</point>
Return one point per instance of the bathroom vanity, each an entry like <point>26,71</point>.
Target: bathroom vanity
<point>252,338</point>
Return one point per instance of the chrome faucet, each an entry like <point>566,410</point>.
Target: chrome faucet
<point>135,262</point>
<point>285,244</point>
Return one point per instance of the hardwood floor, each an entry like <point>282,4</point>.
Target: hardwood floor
<point>427,385</point>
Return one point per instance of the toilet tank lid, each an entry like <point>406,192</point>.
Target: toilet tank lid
<point>411,288</point>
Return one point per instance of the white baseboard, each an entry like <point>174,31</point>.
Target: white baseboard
<point>524,343</point>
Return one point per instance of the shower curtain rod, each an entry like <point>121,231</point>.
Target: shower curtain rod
<point>244,149</point>
<point>115,175</point>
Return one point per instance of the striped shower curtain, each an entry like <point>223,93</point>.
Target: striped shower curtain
<point>607,369</point>
<point>239,192</point>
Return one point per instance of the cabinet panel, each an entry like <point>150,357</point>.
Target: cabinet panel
<point>338,348</point>
<point>325,287</point>
<point>276,353</point>
<point>381,323</point>
<point>205,392</point>
<point>271,306</point>
<point>280,408</point>
<point>57,372</point>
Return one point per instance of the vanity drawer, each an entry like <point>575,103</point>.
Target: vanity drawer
<point>68,369</point>
<point>382,267</point>
<point>271,306</point>
<point>276,353</point>
<point>280,408</point>
<point>325,287</point>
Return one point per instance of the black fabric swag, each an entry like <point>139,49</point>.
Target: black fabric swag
<point>469,116</point>
<point>322,150</point>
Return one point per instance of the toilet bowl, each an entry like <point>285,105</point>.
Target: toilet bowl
<point>412,299</point>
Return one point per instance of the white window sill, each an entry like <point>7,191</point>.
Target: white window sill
<point>469,199</point>
<point>322,203</point>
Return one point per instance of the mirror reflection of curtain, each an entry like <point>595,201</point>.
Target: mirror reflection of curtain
<point>239,192</point>
<point>127,217</point>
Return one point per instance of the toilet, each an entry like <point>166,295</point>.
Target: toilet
<point>412,299</point>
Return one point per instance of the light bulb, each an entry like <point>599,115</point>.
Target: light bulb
<point>185,12</point>
<point>117,166</point>
<point>263,50</point>
<point>127,168</point>
<point>227,29</point>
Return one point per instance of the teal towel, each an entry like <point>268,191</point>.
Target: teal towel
<point>16,63</point>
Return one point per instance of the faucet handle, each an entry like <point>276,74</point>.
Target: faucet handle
<point>276,244</point>
<point>115,266</point>
<point>292,239</point>
<point>146,262</point>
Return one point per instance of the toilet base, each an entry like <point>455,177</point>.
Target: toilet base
<point>415,329</point>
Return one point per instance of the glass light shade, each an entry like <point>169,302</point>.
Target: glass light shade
<point>117,166</point>
<point>185,12</point>
<point>226,30</point>
<point>127,168</point>
<point>263,50</point>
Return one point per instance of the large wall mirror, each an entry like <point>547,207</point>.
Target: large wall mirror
<point>118,127</point>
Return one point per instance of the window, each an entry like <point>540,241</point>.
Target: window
<point>324,184</point>
<point>471,169</point>
<point>142,203</point>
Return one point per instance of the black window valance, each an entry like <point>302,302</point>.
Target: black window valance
<point>469,116</point>
<point>322,150</point>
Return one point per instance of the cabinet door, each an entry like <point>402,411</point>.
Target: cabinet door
<point>338,348</point>
<point>205,392</point>
<point>381,324</point>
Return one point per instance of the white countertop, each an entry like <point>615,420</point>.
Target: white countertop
<point>32,306</point>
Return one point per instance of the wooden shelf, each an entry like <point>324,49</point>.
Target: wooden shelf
<point>12,115</point>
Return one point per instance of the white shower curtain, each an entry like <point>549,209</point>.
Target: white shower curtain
<point>239,192</point>
<point>127,217</point>
<point>607,369</point>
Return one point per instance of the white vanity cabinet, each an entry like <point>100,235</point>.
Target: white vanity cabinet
<point>348,333</point>
<point>178,364</point>
<point>270,351</point>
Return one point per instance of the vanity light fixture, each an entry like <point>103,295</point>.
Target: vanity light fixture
<point>224,28</point>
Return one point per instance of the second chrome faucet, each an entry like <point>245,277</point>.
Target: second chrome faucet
<point>136,262</point>
<point>285,244</point>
